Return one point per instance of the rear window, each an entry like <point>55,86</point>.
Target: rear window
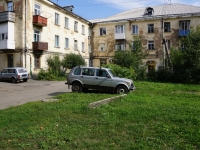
<point>22,70</point>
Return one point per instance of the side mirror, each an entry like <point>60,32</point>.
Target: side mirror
<point>108,76</point>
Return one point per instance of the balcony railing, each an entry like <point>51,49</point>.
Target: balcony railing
<point>119,36</point>
<point>40,46</point>
<point>39,20</point>
<point>6,16</point>
<point>183,32</point>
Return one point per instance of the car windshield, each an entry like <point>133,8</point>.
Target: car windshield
<point>22,70</point>
<point>111,73</point>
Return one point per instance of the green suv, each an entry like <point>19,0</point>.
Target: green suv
<point>83,78</point>
<point>14,74</point>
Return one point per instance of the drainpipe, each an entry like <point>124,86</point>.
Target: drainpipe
<point>25,47</point>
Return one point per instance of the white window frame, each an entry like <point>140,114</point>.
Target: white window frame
<point>57,19</point>
<point>76,26</point>
<point>134,29</point>
<point>83,29</point>
<point>119,29</point>
<point>151,28</point>
<point>75,45</point>
<point>151,45</point>
<point>37,11</point>
<point>83,47</point>
<point>57,41</point>
<point>102,47</point>
<point>102,31</point>
<point>67,43</point>
<point>66,22</point>
<point>36,36</point>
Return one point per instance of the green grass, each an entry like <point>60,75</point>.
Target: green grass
<point>160,116</point>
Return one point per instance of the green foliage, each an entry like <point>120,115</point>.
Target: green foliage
<point>57,67</point>
<point>159,116</point>
<point>132,57</point>
<point>186,61</point>
<point>122,71</point>
<point>72,60</point>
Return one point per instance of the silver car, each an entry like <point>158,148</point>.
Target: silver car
<point>14,74</point>
<point>83,78</point>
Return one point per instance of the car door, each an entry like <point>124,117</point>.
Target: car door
<point>88,77</point>
<point>4,74</point>
<point>102,79</point>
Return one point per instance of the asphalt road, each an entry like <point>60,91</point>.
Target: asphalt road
<point>32,90</point>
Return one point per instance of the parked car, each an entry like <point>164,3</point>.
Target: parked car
<point>14,74</point>
<point>83,78</point>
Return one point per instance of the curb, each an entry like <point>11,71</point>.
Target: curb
<point>105,101</point>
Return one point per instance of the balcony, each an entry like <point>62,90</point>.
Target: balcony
<point>119,36</point>
<point>39,21</point>
<point>7,16</point>
<point>40,46</point>
<point>183,32</point>
<point>7,44</point>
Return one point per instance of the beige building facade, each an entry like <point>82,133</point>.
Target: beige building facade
<point>153,24</point>
<point>31,30</point>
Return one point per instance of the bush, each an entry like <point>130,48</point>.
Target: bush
<point>122,71</point>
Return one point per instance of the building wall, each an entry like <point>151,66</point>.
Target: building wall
<point>155,55</point>
<point>24,35</point>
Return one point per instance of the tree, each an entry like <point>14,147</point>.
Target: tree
<point>131,57</point>
<point>186,60</point>
<point>71,60</point>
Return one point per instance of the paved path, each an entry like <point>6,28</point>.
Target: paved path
<point>32,90</point>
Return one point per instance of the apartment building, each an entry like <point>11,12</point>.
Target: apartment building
<point>31,30</point>
<point>153,24</point>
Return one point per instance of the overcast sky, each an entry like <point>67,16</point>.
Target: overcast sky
<point>94,9</point>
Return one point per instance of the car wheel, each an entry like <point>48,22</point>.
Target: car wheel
<point>77,87</point>
<point>121,89</point>
<point>14,80</point>
<point>25,80</point>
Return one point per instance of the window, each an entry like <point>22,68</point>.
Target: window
<point>77,71</point>
<point>83,29</point>
<point>37,9</point>
<point>103,61</point>
<point>120,45</point>
<point>102,47</point>
<point>184,25</point>
<point>37,61</point>
<point>83,47</point>
<point>168,44</point>
<point>119,29</point>
<point>75,26</point>
<point>66,22</point>
<point>133,46</point>
<point>75,45</point>
<point>56,41</point>
<point>57,19</point>
<point>149,11</point>
<point>102,31</point>
<point>166,26</point>
<point>150,45</point>
<point>88,72</point>
<point>36,36</point>
<point>3,36</point>
<point>89,48</point>
<point>10,6</point>
<point>135,29</point>
<point>66,43</point>
<point>150,28</point>
<point>100,72</point>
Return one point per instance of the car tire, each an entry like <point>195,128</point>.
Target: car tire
<point>25,80</point>
<point>77,87</point>
<point>14,80</point>
<point>121,89</point>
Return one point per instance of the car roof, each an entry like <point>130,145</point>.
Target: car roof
<point>14,68</point>
<point>92,67</point>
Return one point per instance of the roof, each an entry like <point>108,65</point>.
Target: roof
<point>168,10</point>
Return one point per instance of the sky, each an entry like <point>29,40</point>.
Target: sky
<point>95,9</point>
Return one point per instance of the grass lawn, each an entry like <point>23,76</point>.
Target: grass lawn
<point>160,116</point>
